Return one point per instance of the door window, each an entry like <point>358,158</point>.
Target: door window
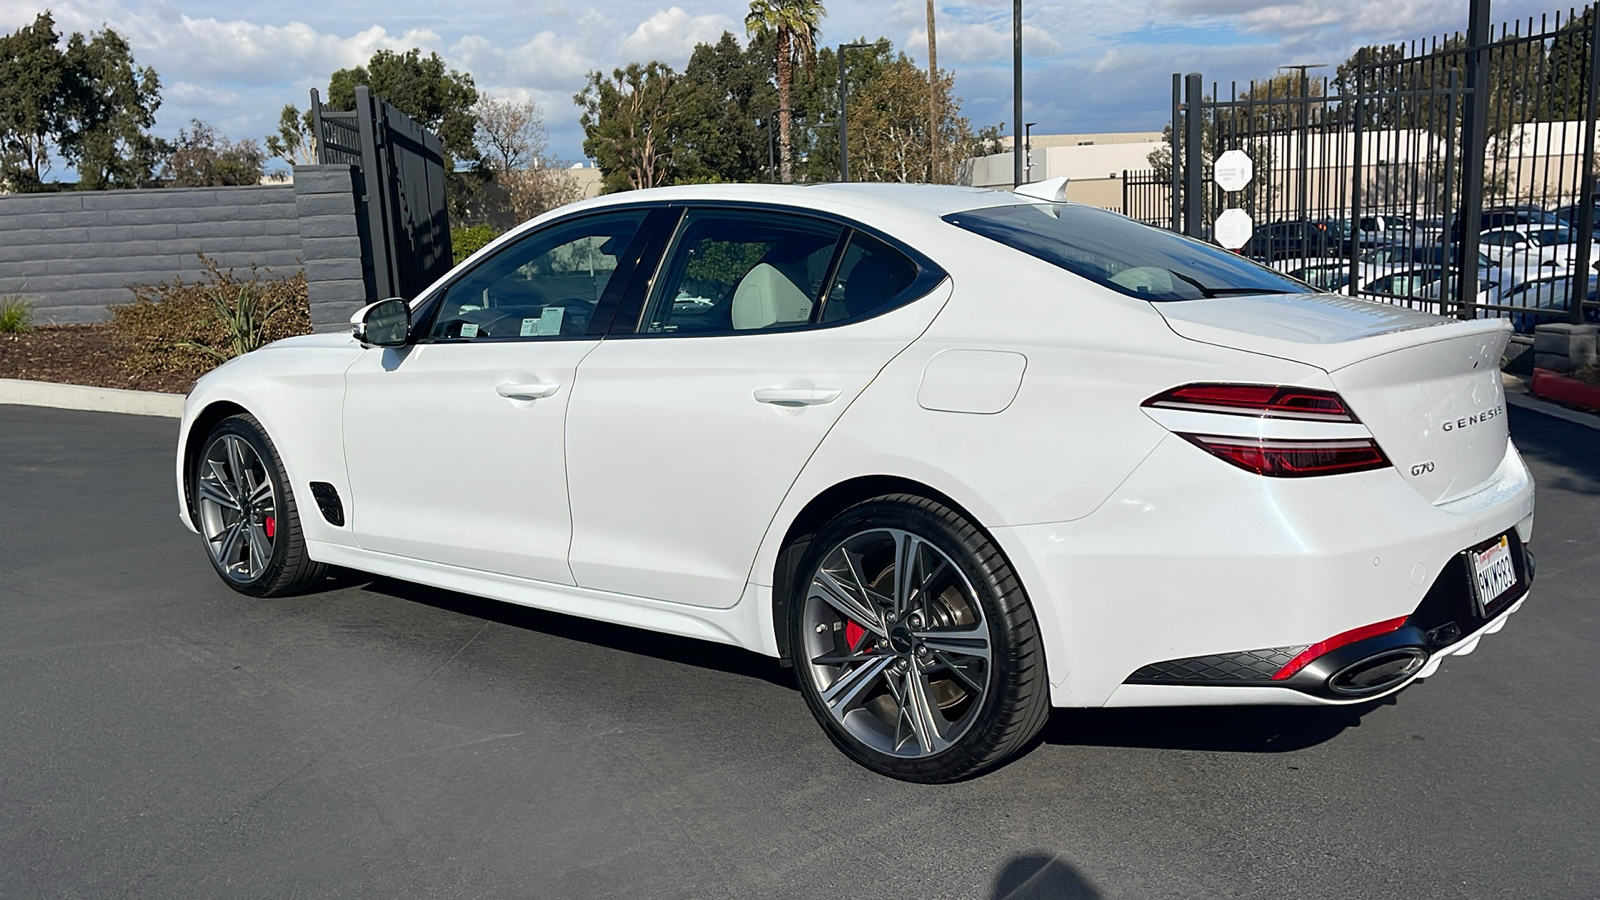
<point>732,271</point>
<point>545,285</point>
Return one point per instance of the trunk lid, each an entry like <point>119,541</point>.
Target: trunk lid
<point>1428,388</point>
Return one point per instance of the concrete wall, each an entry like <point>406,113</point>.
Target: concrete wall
<point>74,253</point>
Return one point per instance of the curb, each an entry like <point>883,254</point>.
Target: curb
<point>97,399</point>
<point>1550,409</point>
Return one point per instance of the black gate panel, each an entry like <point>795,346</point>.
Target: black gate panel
<point>404,216</point>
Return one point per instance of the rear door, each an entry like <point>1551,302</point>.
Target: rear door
<point>689,423</point>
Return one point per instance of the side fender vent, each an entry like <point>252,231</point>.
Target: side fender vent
<point>327,497</point>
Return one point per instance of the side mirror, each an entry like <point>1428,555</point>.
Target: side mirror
<point>386,323</point>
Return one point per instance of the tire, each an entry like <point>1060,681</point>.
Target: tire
<point>254,543</point>
<point>931,677</point>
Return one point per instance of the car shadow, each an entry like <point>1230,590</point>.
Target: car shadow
<point>1236,729</point>
<point>1232,729</point>
<point>668,647</point>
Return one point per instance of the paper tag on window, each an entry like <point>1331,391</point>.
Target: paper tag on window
<point>469,330</point>
<point>550,320</point>
<point>528,326</point>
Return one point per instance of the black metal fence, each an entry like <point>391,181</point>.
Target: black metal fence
<point>1454,175</point>
<point>406,222</point>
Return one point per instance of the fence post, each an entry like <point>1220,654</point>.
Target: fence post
<point>1193,164</point>
<point>1356,128</point>
<point>1585,224</point>
<point>1474,143</point>
<point>1452,107</point>
<point>1174,143</point>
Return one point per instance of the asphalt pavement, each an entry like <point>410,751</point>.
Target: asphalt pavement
<point>161,736</point>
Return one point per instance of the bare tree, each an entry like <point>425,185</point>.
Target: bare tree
<point>511,136</point>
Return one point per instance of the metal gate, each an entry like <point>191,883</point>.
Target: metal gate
<point>400,188</point>
<point>1454,175</point>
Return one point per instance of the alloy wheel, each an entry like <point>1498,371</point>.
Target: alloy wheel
<point>238,508</point>
<point>897,646</point>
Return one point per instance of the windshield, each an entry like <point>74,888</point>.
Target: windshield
<point>1126,256</point>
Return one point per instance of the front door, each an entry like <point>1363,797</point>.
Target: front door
<point>455,443</point>
<point>685,435</point>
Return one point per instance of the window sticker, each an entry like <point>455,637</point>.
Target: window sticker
<point>550,320</point>
<point>469,330</point>
<point>528,326</point>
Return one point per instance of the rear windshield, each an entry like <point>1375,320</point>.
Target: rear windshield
<point>1115,251</point>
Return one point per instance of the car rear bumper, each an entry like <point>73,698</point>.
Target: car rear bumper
<point>1191,558</point>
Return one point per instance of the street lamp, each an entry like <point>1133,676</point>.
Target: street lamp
<point>844,146</point>
<point>1016,89</point>
<point>1027,142</point>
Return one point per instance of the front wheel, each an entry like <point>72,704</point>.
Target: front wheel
<point>915,644</point>
<point>244,509</point>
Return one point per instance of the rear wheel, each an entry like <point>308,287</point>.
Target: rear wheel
<point>246,512</point>
<point>915,645</point>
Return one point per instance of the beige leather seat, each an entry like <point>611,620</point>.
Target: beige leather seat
<point>766,297</point>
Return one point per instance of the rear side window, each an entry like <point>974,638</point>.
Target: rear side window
<point>1119,253</point>
<point>871,274</point>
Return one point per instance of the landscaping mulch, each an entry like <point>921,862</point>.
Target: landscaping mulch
<point>78,354</point>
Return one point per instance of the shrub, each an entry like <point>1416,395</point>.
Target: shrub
<point>466,241</point>
<point>16,315</point>
<point>189,328</point>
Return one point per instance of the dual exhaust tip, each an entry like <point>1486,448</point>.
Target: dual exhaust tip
<point>1366,668</point>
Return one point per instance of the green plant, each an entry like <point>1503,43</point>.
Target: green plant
<point>16,315</point>
<point>243,322</point>
<point>466,241</point>
<point>189,327</point>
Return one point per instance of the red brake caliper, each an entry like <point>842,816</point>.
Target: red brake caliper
<point>272,526</point>
<point>853,634</point>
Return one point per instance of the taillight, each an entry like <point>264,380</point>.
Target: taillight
<point>1283,458</point>
<point>1268,401</point>
<point>1321,648</point>
<point>1276,457</point>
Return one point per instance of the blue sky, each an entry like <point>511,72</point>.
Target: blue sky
<point>1092,65</point>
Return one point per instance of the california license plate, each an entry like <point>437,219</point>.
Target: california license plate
<point>1494,573</point>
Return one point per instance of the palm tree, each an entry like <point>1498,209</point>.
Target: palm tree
<point>795,24</point>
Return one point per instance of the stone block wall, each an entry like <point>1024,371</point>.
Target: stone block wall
<point>74,253</point>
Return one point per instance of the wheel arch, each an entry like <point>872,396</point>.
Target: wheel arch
<point>816,513</point>
<point>195,440</point>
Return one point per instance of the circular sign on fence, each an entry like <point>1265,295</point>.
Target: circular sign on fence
<point>1233,229</point>
<point>1233,170</point>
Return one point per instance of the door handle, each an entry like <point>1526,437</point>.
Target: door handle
<point>532,391</point>
<point>783,396</point>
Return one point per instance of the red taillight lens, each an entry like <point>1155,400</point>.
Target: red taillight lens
<point>1269,401</point>
<point>1293,458</point>
<point>1320,648</point>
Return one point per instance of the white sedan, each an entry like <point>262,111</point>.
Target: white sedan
<point>958,456</point>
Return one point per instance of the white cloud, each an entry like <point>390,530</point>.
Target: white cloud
<point>548,59</point>
<point>670,36</point>
<point>961,42</point>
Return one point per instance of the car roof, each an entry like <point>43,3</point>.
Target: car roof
<point>933,200</point>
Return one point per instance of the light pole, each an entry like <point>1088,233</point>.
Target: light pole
<point>1016,89</point>
<point>1305,137</point>
<point>1027,142</point>
<point>844,144</point>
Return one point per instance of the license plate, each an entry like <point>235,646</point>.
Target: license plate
<point>1495,575</point>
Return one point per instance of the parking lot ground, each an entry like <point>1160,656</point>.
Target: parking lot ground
<point>161,736</point>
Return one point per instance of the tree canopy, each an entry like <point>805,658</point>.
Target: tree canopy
<point>86,102</point>
<point>439,98</point>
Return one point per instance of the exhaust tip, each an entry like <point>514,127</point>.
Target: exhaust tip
<point>1379,672</point>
